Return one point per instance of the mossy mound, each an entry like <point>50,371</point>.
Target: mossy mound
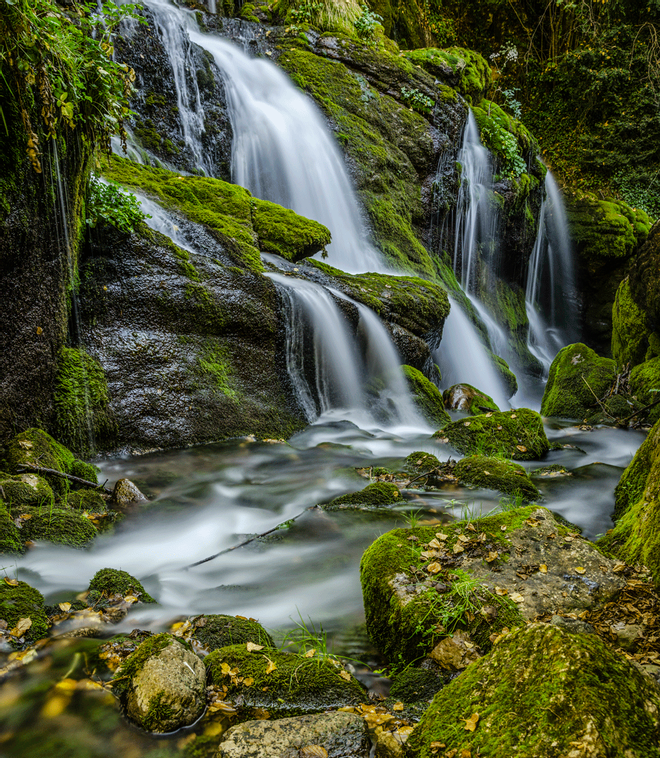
<point>59,526</point>
<point>283,683</point>
<point>644,379</point>
<point>413,685</point>
<point>630,328</point>
<point>108,582</point>
<point>466,71</point>
<point>244,224</point>
<point>20,601</point>
<point>420,461</point>
<point>644,276</point>
<point>465,397</point>
<point>376,495</point>
<point>26,489</point>
<point>578,378</point>
<point>86,500</point>
<point>10,537</point>
<point>506,375</point>
<point>516,434</point>
<point>521,692</point>
<point>496,474</point>
<point>216,631</point>
<point>35,447</point>
<point>427,397</point>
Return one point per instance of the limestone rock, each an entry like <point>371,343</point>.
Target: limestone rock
<point>127,493</point>
<point>341,735</point>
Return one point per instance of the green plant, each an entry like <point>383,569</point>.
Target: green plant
<point>367,23</point>
<point>109,204</point>
<point>306,13</point>
<point>416,100</point>
<point>306,638</point>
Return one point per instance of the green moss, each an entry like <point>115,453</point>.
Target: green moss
<point>578,378</point>
<point>59,526</point>
<point>86,500</point>
<point>285,233</point>
<point>22,601</point>
<point>506,375</point>
<point>465,397</point>
<point>132,666</point>
<point>107,582</point>
<point>644,381</point>
<point>540,693</point>
<point>496,474</point>
<point>82,402</point>
<point>517,434</point>
<point>376,495</point>
<point>216,631</point>
<point>630,328</point>
<point>420,461</point>
<point>427,397</point>
<point>37,448</point>
<point>26,489</point>
<point>10,537</point>
<point>413,685</point>
<point>296,685</point>
<point>215,364</point>
<point>506,137</point>
<point>82,470</point>
<point>466,70</point>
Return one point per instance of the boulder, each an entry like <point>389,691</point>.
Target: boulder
<point>108,582</point>
<point>22,608</point>
<point>126,493</point>
<point>376,495</point>
<point>26,489</point>
<point>215,631</point>
<point>86,500</point>
<point>516,434</point>
<point>630,328</point>
<point>326,735</point>
<point>465,397</point>
<point>57,525</point>
<point>162,685</point>
<point>541,693</point>
<point>496,474</point>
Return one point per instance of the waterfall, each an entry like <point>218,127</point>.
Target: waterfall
<point>476,220</point>
<point>551,281</point>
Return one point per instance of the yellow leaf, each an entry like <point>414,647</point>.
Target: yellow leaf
<point>543,568</point>
<point>130,599</point>
<point>22,627</point>
<point>397,707</point>
<point>517,597</point>
<point>522,448</point>
<point>345,675</point>
<point>248,681</point>
<point>442,536</point>
<point>252,647</point>
<point>493,555</point>
<point>458,548</point>
<point>270,667</point>
<point>66,607</point>
<point>619,567</point>
<point>310,653</point>
<point>434,544</point>
<point>580,569</point>
<point>225,668</point>
<point>242,618</point>
<point>11,582</point>
<point>433,568</point>
<point>501,591</point>
<point>471,723</point>
<point>463,538</point>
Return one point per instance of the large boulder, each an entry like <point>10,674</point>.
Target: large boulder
<point>579,378</point>
<point>544,692</point>
<point>516,434</point>
<point>630,328</point>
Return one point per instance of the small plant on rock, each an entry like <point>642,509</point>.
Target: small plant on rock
<point>417,100</point>
<point>109,204</point>
<point>366,24</point>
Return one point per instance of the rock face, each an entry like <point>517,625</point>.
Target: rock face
<point>512,567</point>
<point>543,692</point>
<point>162,685</point>
<point>335,735</point>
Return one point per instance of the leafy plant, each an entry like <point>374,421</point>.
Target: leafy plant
<point>306,12</point>
<point>109,204</point>
<point>367,23</point>
<point>417,100</point>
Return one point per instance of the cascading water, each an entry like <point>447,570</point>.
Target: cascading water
<point>550,295</point>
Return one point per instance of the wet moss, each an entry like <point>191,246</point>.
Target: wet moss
<point>216,631</point>
<point>21,601</point>
<point>83,470</point>
<point>58,525</point>
<point>26,489</point>
<point>507,376</point>
<point>465,397</point>
<point>285,233</point>
<point>37,448</point>
<point>413,685</point>
<point>466,71</point>
<point>10,538</point>
<point>507,138</point>
<point>132,666</point>
<point>539,694</point>
<point>420,461</point>
<point>107,582</point>
<point>516,434</point>
<point>376,495</point>
<point>497,474</point>
<point>578,378</point>
<point>295,685</point>
<point>427,397</point>
<point>645,385</point>
<point>86,500</point>
<point>630,328</point>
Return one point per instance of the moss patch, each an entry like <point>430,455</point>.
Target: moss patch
<point>644,379</point>
<point>26,489</point>
<point>578,377</point>
<point>216,631</point>
<point>59,526</point>
<point>10,537</point>
<point>107,582</point>
<point>516,434</point>
<point>121,682</point>
<point>427,397</point>
<point>22,601</point>
<point>630,328</point>
<point>496,474</point>
<point>86,500</point>
<point>466,71</point>
<point>285,233</point>
<point>376,495</point>
<point>506,137</point>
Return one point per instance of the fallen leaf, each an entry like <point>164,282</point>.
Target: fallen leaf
<point>471,723</point>
<point>345,675</point>
<point>66,607</point>
<point>522,448</point>
<point>248,681</point>
<point>252,647</point>
<point>467,423</point>
<point>493,555</point>
<point>242,618</point>
<point>458,548</point>
<point>434,568</point>
<point>310,653</point>
<point>514,415</point>
<point>225,668</point>
<point>313,751</point>
<point>270,667</point>
<point>466,753</point>
<point>39,330</point>
<point>501,591</point>
<point>463,538</point>
<point>434,544</point>
<point>580,569</point>
<point>543,569</point>
<point>130,599</point>
<point>442,536</point>
<point>397,707</point>
<point>517,597</point>
<point>619,567</point>
<point>503,528</point>
<point>11,582</point>
<point>471,527</point>
<point>22,627</point>
<point>568,539</point>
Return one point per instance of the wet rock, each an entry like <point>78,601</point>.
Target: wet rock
<point>427,397</point>
<point>497,474</point>
<point>127,493</point>
<point>516,434</point>
<point>335,735</point>
<point>162,685</point>
<point>10,537</point>
<point>22,609</point>
<point>465,397</point>
<point>644,379</point>
<point>376,495</point>
<point>413,685</point>
<point>627,636</point>
<point>575,626</point>
<point>280,683</point>
<point>533,696</point>
<point>57,525</point>
<point>420,461</point>
<point>215,631</point>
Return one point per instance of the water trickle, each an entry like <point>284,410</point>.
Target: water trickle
<point>550,295</point>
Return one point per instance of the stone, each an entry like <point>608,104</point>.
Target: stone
<point>341,735</point>
<point>465,397</point>
<point>575,626</point>
<point>456,652</point>
<point>497,474</point>
<point>127,493</point>
<point>375,495</point>
<point>627,636</point>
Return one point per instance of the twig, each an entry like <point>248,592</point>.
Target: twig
<point>641,410</point>
<point>69,477</point>
<point>428,473</point>
<point>597,400</point>
<point>252,539</point>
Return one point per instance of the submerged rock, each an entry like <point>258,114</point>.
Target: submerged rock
<point>516,434</point>
<point>162,685</point>
<point>335,735</point>
<point>465,397</point>
<point>496,474</point>
<point>541,693</point>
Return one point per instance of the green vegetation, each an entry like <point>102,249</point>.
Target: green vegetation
<point>10,537</point>
<point>470,72</point>
<point>645,383</point>
<point>427,397</point>
<point>506,137</point>
<point>107,582</point>
<point>108,204</point>
<point>630,328</point>
<point>25,489</point>
<point>20,601</point>
<point>216,631</point>
<point>376,495</point>
<point>57,525</point>
<point>497,474</point>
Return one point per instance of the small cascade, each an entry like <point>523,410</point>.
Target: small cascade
<point>161,221</point>
<point>463,357</point>
<point>283,152</point>
<point>550,295</point>
<point>476,220</point>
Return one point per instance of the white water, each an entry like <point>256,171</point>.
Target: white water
<point>283,152</point>
<point>550,296</point>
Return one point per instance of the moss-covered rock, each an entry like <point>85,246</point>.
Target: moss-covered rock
<point>376,495</point>
<point>162,684</point>
<point>644,379</point>
<point>86,500</point>
<point>283,683</point>
<point>465,397</point>
<point>520,692</point>
<point>107,582</point>
<point>506,375</point>
<point>630,328</point>
<point>644,278</point>
<point>466,71</point>
<point>506,137</point>
<point>58,525</point>
<point>413,685</point>
<point>420,461</point>
<point>516,434</point>
<point>26,489</point>
<point>285,233</point>
<point>20,601</point>
<point>427,397</point>
<point>578,378</point>
<point>496,474</point>
<point>10,537</point>
<point>216,631</point>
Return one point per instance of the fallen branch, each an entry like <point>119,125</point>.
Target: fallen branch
<point>602,407</point>
<point>252,539</point>
<point>24,467</point>
<point>641,410</point>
